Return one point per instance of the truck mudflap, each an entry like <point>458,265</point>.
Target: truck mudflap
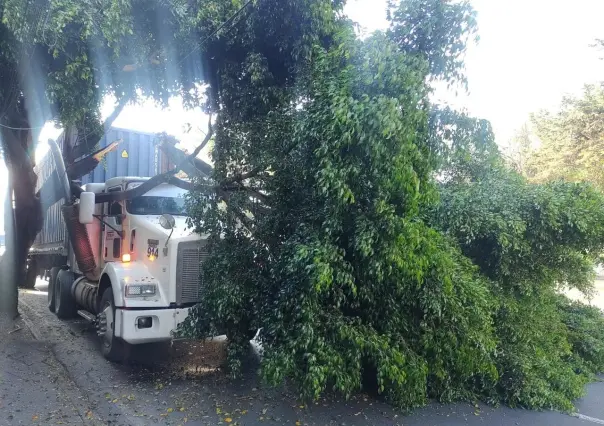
<point>147,326</point>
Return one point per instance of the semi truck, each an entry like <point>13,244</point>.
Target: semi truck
<point>130,267</point>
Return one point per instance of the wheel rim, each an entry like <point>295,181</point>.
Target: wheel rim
<point>108,314</point>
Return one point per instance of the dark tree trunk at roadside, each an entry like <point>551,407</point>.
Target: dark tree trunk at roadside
<point>8,291</point>
<point>24,213</point>
<point>23,217</point>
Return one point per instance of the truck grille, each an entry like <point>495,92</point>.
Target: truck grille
<point>191,254</point>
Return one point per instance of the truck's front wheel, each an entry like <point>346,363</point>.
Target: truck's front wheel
<point>65,306</point>
<point>52,283</point>
<point>113,348</point>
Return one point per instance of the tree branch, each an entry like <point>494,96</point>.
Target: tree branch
<point>116,112</point>
<point>243,176</point>
<point>255,171</point>
<point>147,186</point>
<point>87,164</point>
<point>83,148</point>
<point>190,165</point>
<point>205,140</point>
<point>240,187</point>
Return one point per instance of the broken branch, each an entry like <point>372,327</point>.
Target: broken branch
<point>255,171</point>
<point>205,140</point>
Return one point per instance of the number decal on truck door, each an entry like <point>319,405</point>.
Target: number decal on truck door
<point>152,249</point>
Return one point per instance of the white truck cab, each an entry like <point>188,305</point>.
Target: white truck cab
<point>138,274</point>
<point>154,272</point>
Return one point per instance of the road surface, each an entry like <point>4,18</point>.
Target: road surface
<point>183,384</point>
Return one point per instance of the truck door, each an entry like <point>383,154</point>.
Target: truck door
<point>112,241</point>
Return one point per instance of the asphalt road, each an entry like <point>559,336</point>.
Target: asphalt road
<point>183,384</point>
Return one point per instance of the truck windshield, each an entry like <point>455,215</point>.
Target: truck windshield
<point>154,205</point>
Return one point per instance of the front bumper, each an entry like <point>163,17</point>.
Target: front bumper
<point>164,321</point>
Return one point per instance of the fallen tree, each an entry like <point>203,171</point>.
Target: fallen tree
<point>394,252</point>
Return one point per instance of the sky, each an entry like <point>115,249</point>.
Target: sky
<point>531,53</point>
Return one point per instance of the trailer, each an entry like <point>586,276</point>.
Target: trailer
<point>130,267</point>
<point>137,154</point>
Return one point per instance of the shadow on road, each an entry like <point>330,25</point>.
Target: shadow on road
<point>184,382</point>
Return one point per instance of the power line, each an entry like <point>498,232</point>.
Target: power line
<point>225,23</point>
<point>21,128</point>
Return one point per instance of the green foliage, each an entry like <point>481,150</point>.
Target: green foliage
<point>66,56</point>
<point>585,326</point>
<point>571,140</point>
<point>375,240</point>
<point>436,30</point>
<point>345,281</point>
<point>531,241</point>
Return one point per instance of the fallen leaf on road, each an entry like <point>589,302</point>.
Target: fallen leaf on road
<point>89,414</point>
<point>298,423</point>
<point>169,410</point>
<point>228,420</point>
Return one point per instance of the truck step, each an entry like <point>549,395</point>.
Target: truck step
<point>87,315</point>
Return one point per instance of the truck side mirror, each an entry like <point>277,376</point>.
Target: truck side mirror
<point>167,221</point>
<point>87,205</point>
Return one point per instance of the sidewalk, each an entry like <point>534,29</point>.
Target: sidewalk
<point>34,387</point>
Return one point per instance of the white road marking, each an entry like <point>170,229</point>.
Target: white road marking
<point>589,419</point>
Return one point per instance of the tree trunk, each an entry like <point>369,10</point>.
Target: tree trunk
<point>8,287</point>
<point>22,224</point>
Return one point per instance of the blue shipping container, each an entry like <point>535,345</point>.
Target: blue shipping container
<point>136,155</point>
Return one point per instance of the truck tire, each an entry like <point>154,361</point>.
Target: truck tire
<point>31,273</point>
<point>51,285</point>
<point>113,348</point>
<point>65,306</point>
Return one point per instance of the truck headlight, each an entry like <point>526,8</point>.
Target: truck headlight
<point>140,290</point>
